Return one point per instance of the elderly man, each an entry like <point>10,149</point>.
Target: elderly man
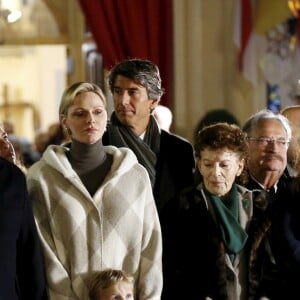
<point>269,135</point>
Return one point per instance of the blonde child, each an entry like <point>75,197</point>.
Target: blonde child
<point>111,284</point>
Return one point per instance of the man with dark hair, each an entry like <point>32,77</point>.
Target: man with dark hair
<point>169,159</point>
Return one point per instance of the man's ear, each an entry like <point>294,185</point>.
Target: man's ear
<point>153,105</point>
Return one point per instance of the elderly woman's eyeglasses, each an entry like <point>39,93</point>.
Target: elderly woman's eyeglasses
<point>266,141</point>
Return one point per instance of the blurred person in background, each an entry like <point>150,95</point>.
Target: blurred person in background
<point>214,116</point>
<point>55,135</point>
<point>21,144</point>
<point>163,116</point>
<point>292,113</point>
<point>9,151</point>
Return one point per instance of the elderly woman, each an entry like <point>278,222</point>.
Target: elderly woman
<point>205,229</point>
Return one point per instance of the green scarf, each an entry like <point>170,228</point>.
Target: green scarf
<point>234,236</point>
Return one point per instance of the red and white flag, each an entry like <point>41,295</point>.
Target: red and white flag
<point>253,20</point>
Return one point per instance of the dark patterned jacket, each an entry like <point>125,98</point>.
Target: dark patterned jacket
<point>195,263</point>
<point>287,230</point>
<point>266,275</point>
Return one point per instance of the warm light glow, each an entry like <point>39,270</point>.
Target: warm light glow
<point>14,16</point>
<point>10,10</point>
<point>10,4</point>
<point>294,6</point>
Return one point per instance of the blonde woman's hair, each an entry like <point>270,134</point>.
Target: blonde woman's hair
<point>75,89</point>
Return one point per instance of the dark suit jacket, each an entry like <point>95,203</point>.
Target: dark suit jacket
<point>21,262</point>
<point>264,242</point>
<point>288,232</point>
<point>174,168</point>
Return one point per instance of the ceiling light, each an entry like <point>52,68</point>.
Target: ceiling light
<point>14,16</point>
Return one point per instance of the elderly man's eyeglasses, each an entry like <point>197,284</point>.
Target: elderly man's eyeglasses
<point>266,141</point>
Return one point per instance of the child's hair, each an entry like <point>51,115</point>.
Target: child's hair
<point>105,279</point>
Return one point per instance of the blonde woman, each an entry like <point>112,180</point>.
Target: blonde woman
<point>94,204</point>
